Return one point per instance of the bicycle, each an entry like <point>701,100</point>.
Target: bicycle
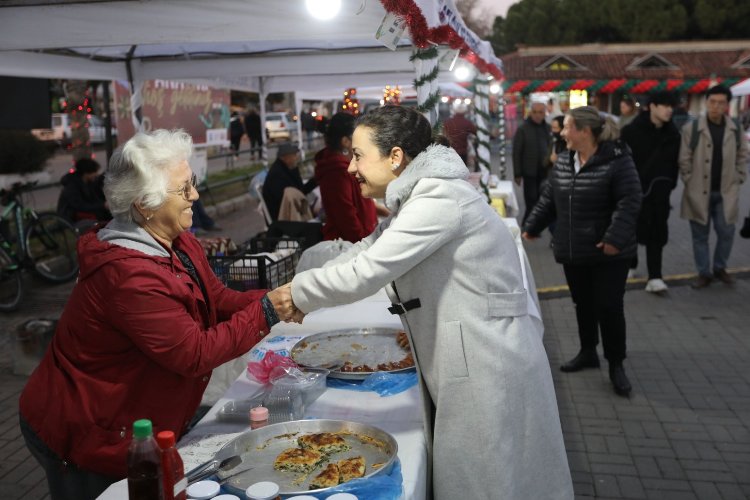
<point>44,243</point>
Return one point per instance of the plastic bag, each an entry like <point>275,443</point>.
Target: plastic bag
<point>311,382</point>
<point>320,253</point>
<point>385,384</point>
<point>261,370</point>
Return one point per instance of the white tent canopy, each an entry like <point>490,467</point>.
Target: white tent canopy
<point>742,88</point>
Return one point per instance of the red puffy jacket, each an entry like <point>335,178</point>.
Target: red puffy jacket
<point>349,216</point>
<point>137,340</point>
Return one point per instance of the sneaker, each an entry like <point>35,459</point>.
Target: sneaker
<point>656,286</point>
<point>723,276</point>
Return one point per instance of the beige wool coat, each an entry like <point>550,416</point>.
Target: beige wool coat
<point>479,352</point>
<point>695,170</point>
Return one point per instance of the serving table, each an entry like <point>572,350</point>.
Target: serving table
<point>400,415</point>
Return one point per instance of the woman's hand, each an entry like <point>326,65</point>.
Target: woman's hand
<point>528,237</point>
<point>607,248</point>
<point>281,298</point>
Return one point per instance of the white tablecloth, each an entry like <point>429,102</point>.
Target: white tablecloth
<point>504,190</point>
<point>400,415</point>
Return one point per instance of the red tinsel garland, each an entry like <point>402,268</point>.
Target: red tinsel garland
<point>421,35</point>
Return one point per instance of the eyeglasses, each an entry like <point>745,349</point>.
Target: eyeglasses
<point>187,189</point>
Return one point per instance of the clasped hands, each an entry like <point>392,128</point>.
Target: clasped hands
<point>281,298</point>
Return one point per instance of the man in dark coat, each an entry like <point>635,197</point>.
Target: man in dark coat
<point>531,146</point>
<point>82,200</point>
<point>254,132</point>
<point>284,173</point>
<point>655,144</point>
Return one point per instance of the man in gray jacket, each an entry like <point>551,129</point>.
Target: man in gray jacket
<point>712,166</point>
<point>531,149</point>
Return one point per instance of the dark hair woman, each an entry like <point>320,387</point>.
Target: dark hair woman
<point>455,276</point>
<point>595,194</point>
<point>349,216</point>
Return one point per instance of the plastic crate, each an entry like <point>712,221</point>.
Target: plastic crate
<point>247,270</point>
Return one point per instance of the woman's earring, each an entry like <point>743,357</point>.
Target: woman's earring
<point>395,166</point>
<point>345,152</point>
<point>150,217</point>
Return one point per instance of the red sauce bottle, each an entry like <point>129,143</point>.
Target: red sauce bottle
<point>173,470</point>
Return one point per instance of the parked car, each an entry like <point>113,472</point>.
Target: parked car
<point>278,127</point>
<point>60,131</point>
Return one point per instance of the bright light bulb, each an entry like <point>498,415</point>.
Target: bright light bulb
<point>467,101</point>
<point>462,73</point>
<point>444,99</point>
<point>314,114</point>
<point>495,88</point>
<point>323,9</point>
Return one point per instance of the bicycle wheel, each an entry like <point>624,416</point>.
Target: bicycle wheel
<point>51,246</point>
<point>11,286</point>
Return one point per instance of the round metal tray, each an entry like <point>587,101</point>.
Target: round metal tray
<point>361,346</point>
<point>260,447</point>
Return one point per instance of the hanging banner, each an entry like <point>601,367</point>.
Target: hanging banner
<point>168,104</point>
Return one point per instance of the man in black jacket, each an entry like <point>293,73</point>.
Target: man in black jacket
<point>82,200</point>
<point>531,146</point>
<point>655,144</point>
<point>284,173</point>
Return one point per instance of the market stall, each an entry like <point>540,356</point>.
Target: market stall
<point>400,414</point>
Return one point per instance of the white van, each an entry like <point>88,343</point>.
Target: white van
<point>278,127</point>
<point>60,131</point>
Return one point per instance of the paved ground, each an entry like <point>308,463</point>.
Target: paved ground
<point>684,434</point>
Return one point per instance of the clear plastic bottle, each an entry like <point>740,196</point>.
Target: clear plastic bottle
<point>258,417</point>
<point>144,464</point>
<point>172,468</point>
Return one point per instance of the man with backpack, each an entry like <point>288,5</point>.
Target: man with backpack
<point>713,162</point>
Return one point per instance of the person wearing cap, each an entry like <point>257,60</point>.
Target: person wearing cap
<point>284,173</point>
<point>655,145</point>
<point>81,200</point>
<point>594,193</point>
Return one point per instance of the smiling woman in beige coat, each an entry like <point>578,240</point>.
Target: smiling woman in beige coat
<point>454,274</point>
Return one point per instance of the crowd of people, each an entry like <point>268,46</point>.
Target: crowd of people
<point>167,321</point>
<point>610,191</point>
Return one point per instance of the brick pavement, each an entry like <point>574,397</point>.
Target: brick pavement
<point>683,434</point>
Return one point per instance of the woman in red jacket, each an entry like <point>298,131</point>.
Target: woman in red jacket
<point>144,327</point>
<point>349,216</point>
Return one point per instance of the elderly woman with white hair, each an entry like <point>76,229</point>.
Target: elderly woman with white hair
<point>144,327</point>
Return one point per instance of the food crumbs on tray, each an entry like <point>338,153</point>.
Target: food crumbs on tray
<point>314,347</point>
<point>281,436</point>
<point>377,465</point>
<point>358,347</point>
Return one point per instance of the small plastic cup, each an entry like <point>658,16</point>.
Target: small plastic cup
<point>342,496</point>
<point>226,496</point>
<point>264,490</point>
<point>203,490</point>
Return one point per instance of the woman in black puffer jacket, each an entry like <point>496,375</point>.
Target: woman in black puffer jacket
<point>595,195</point>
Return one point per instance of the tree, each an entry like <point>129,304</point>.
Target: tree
<point>653,20</point>
<point>475,18</point>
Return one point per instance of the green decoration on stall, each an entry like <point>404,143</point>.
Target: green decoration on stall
<point>424,54</point>
<point>427,78</point>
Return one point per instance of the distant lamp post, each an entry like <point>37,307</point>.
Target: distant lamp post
<point>323,9</point>
<point>495,88</point>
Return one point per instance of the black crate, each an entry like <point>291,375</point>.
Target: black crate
<point>246,271</point>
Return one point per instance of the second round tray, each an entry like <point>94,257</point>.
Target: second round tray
<point>360,346</point>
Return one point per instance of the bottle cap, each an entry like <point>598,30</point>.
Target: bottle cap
<point>227,497</point>
<point>259,414</point>
<point>265,490</point>
<point>342,496</point>
<point>302,497</point>
<point>203,490</point>
<point>142,428</point>
<point>165,439</point>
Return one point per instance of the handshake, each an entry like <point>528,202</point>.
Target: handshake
<point>281,298</point>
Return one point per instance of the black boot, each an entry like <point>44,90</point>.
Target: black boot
<point>586,358</point>
<point>619,380</point>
